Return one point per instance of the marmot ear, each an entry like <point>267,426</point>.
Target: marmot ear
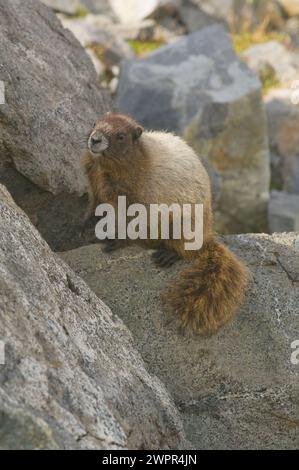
<point>137,132</point>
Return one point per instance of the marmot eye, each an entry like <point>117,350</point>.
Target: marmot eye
<point>121,137</point>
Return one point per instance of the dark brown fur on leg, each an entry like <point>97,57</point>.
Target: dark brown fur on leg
<point>207,295</point>
<point>113,245</point>
<point>165,258</point>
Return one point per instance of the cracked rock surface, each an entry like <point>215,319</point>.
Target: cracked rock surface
<point>71,377</point>
<point>238,389</point>
<point>52,97</point>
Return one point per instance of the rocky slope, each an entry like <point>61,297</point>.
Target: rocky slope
<point>71,377</point>
<point>238,389</point>
<point>51,96</point>
<point>51,99</point>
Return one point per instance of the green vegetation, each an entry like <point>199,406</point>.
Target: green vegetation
<point>143,48</point>
<point>268,79</point>
<point>246,39</point>
<point>99,51</point>
<point>81,12</point>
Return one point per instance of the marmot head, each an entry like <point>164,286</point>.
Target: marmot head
<point>114,135</point>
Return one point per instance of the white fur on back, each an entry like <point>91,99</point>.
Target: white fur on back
<point>176,172</point>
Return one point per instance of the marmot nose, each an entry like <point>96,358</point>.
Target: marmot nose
<point>97,139</point>
<point>97,142</point>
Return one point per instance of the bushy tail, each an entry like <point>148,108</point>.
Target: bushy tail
<point>208,294</point>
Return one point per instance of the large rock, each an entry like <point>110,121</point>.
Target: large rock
<point>167,13</point>
<point>274,57</point>
<point>248,15</point>
<point>135,10</point>
<point>198,13</point>
<point>88,28</point>
<point>240,388</point>
<point>194,17</point>
<point>291,28</point>
<point>239,15</point>
<point>283,125</point>
<point>71,377</point>
<point>220,10</point>
<point>283,212</point>
<point>57,217</point>
<point>52,96</point>
<point>198,88</point>
<point>193,13</point>
<point>112,47</point>
<point>98,6</point>
<point>70,7</point>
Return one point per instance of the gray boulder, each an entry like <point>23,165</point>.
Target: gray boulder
<point>87,29</point>
<point>238,15</point>
<point>283,125</point>
<point>71,378</point>
<point>240,388</point>
<point>70,7</point>
<point>52,96</point>
<point>291,28</point>
<point>113,49</point>
<point>252,15</point>
<point>136,10</point>
<point>283,63</point>
<point>98,6</point>
<point>213,9</point>
<point>75,7</point>
<point>198,88</point>
<point>194,17</point>
<point>57,217</point>
<point>283,212</point>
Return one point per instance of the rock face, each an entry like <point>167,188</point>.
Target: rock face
<point>98,6</point>
<point>52,97</point>
<point>57,217</point>
<point>251,15</point>
<point>272,55</point>
<point>291,27</point>
<point>194,17</point>
<point>237,14</point>
<point>211,10</point>
<point>113,48</point>
<point>71,377</point>
<point>240,388</point>
<point>283,212</point>
<point>134,10</point>
<point>283,125</point>
<point>198,88</point>
<point>70,7</point>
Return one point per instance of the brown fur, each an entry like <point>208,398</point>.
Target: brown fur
<point>207,295</point>
<point>161,168</point>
